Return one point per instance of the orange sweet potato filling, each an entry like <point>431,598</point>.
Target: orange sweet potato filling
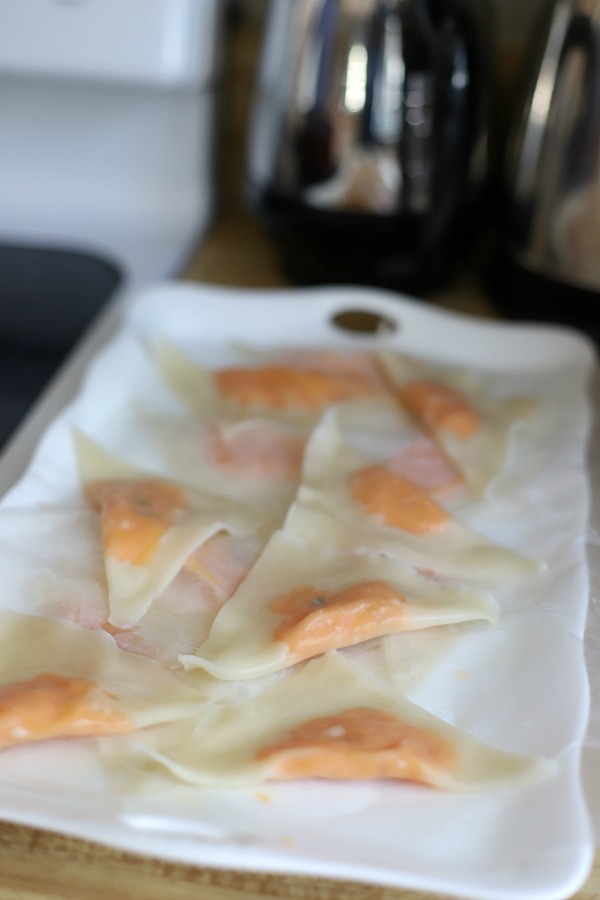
<point>437,406</point>
<point>316,620</point>
<point>50,706</point>
<point>280,387</point>
<point>396,501</point>
<point>135,515</point>
<point>360,743</point>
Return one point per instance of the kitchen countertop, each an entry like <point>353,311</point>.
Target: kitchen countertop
<point>39,865</point>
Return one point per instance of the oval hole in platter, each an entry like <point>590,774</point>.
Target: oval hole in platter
<point>362,321</point>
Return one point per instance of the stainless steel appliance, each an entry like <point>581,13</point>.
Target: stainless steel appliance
<point>549,264</point>
<point>368,150</point>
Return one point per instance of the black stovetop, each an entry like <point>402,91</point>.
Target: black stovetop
<point>48,297</point>
<point>23,376</point>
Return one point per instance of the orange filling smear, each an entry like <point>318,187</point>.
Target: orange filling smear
<point>135,515</point>
<point>317,621</point>
<point>396,501</point>
<point>50,706</point>
<point>113,630</point>
<point>425,465</point>
<point>258,451</point>
<point>280,387</point>
<point>437,406</point>
<point>360,743</point>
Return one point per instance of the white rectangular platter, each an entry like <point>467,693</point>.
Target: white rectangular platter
<point>521,686</point>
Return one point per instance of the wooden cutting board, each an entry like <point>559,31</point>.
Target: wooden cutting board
<point>38,865</point>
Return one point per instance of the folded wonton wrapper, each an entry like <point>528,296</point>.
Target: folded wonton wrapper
<point>151,526</point>
<point>289,390</point>
<point>324,720</point>
<point>457,410</point>
<point>300,600</point>
<point>58,679</point>
<point>353,505</point>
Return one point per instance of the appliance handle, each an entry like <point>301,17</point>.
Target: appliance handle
<point>584,148</point>
<point>528,140</point>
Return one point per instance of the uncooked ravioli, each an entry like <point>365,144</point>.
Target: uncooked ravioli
<point>362,367</point>
<point>460,412</point>
<point>283,389</point>
<point>353,504</point>
<point>323,720</point>
<point>60,680</point>
<point>151,526</point>
<point>299,600</point>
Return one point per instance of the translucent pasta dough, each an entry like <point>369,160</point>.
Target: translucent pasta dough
<point>325,720</point>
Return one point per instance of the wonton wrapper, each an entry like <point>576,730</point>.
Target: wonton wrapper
<point>132,690</point>
<point>481,454</point>
<point>179,619</point>
<point>247,391</point>
<point>250,460</point>
<point>225,746</point>
<point>383,433</point>
<point>133,585</point>
<point>249,636</point>
<point>325,510</point>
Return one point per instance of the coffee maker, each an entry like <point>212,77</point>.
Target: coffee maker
<point>548,261</point>
<point>369,138</point>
